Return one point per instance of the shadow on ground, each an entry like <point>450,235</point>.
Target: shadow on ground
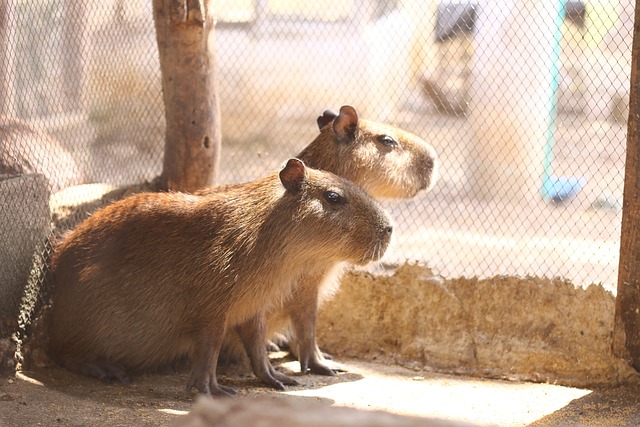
<point>615,406</point>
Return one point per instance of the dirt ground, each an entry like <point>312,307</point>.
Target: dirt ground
<point>53,396</point>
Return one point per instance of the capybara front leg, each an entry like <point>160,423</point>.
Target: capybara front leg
<point>253,336</point>
<point>204,364</point>
<point>303,312</point>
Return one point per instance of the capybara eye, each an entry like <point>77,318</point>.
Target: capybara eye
<point>387,141</point>
<point>334,198</point>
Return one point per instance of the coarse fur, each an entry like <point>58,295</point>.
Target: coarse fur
<point>158,276</point>
<point>387,162</point>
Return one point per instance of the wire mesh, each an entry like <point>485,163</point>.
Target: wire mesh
<point>525,102</point>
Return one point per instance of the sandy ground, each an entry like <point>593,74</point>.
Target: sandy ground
<point>54,396</point>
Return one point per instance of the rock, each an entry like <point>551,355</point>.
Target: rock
<point>265,412</point>
<point>25,149</point>
<point>532,329</point>
<point>24,226</point>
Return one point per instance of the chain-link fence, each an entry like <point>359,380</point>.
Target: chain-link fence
<point>525,102</point>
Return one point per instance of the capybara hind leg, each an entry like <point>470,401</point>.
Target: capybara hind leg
<point>105,371</point>
<point>204,363</point>
<point>253,336</point>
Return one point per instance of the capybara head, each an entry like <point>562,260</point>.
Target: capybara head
<point>340,220</point>
<point>384,160</point>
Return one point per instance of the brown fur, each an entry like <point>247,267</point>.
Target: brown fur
<point>354,149</point>
<point>158,276</point>
<point>383,171</point>
<point>350,147</point>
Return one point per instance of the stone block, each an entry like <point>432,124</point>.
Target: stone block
<point>24,225</point>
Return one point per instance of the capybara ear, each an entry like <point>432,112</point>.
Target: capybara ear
<point>326,118</point>
<point>345,125</point>
<point>292,175</point>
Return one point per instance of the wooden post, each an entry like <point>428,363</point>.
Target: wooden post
<point>626,336</point>
<point>7,52</point>
<point>185,31</point>
<point>73,65</point>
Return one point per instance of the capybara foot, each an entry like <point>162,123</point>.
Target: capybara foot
<point>320,367</point>
<point>285,379</point>
<point>281,341</point>
<point>275,379</point>
<point>209,388</point>
<point>316,367</point>
<point>106,372</point>
<point>272,346</point>
<point>227,390</point>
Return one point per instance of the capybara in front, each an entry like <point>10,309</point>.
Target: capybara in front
<point>158,276</point>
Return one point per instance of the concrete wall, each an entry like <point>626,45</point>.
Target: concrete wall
<point>24,226</point>
<point>533,329</point>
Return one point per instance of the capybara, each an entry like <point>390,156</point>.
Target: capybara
<point>158,276</point>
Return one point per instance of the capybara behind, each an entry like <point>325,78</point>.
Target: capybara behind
<point>158,276</point>
<point>387,162</point>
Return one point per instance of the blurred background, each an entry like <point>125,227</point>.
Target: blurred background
<point>526,103</point>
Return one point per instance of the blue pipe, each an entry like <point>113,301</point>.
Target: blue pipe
<point>554,188</point>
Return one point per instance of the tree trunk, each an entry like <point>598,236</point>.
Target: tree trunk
<point>185,30</point>
<point>75,62</point>
<point>7,52</point>
<point>626,337</point>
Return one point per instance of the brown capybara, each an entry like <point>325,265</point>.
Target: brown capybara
<point>158,276</point>
<point>386,162</point>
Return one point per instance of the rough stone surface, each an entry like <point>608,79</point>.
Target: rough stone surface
<point>72,205</point>
<point>24,224</point>
<point>506,327</point>
<point>26,149</point>
<point>266,412</point>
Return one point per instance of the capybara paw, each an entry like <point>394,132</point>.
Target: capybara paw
<point>273,383</point>
<point>320,368</point>
<point>272,347</point>
<point>281,341</point>
<point>326,355</point>
<point>285,379</point>
<point>222,391</point>
<point>269,379</point>
<point>108,372</point>
<point>209,389</point>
